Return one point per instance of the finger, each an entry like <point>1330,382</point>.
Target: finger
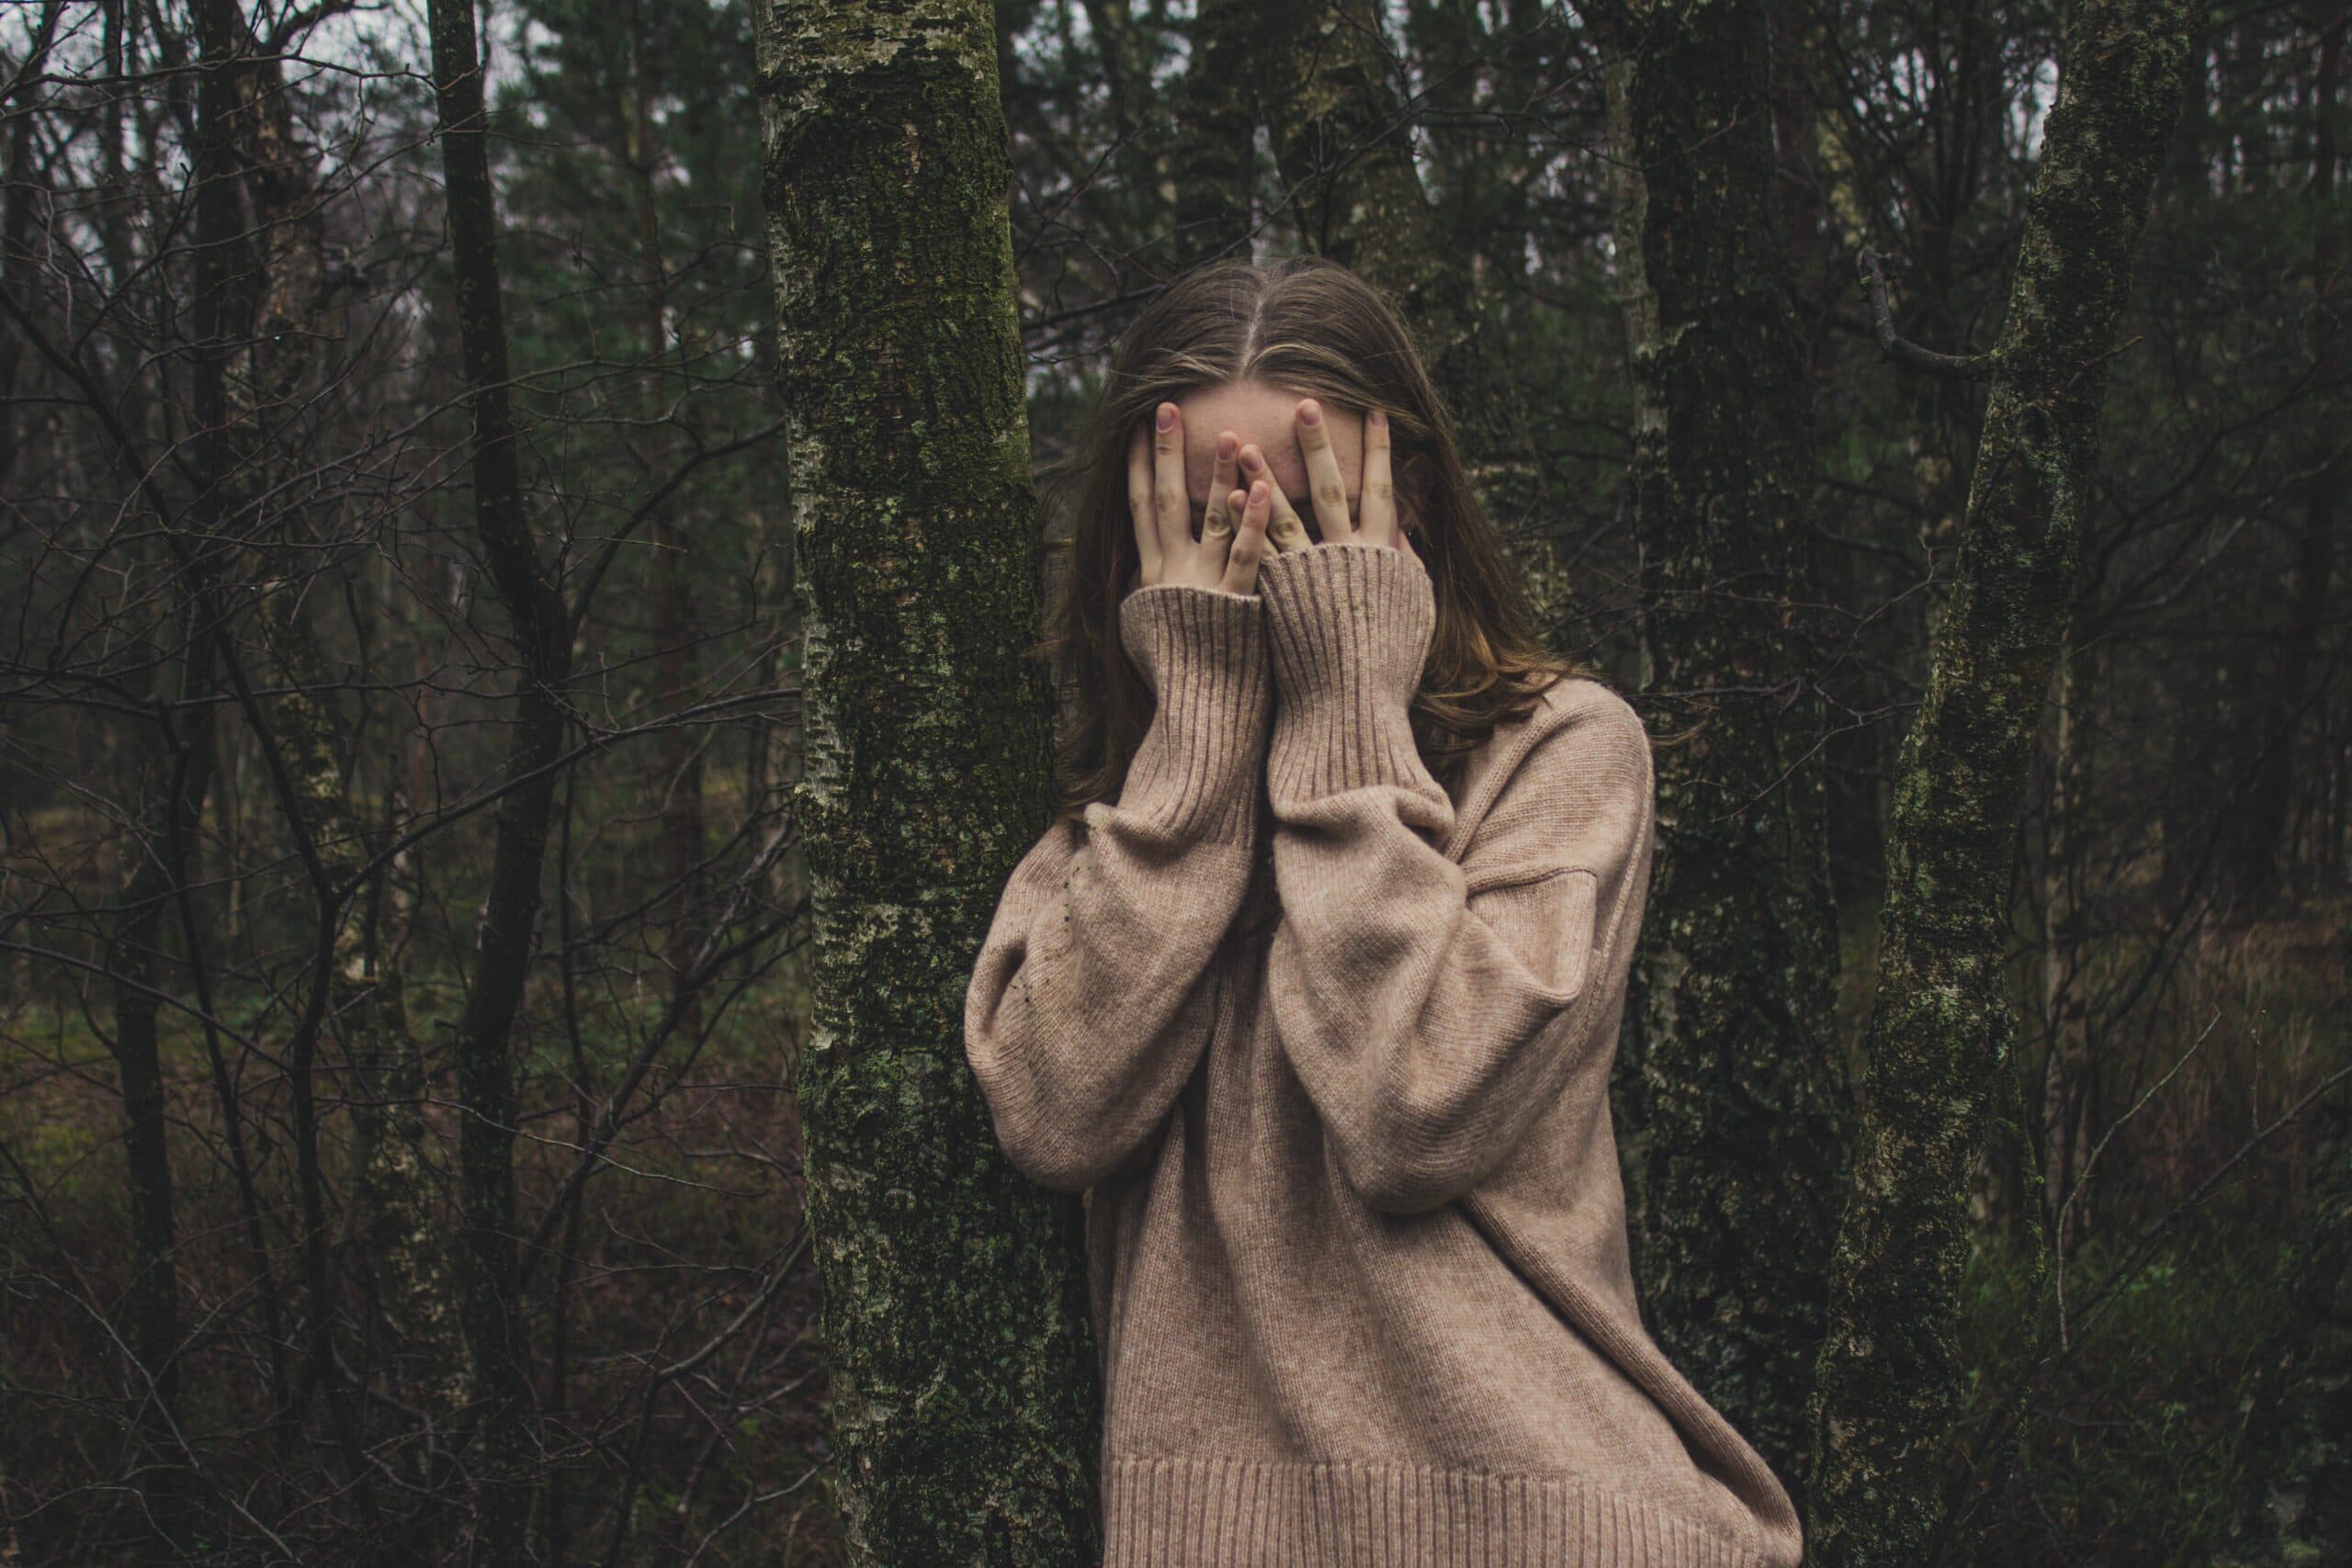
<point>1139,507</point>
<point>1219,516</point>
<point>1248,539</point>
<point>1219,520</point>
<point>1327,487</point>
<point>1379,505</point>
<point>1168,485</point>
<point>1283,529</point>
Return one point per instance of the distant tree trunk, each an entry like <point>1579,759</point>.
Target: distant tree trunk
<point>1126,55</point>
<point>967,1416</point>
<point>1891,1377</point>
<point>1816,199</point>
<point>2262,821</point>
<point>1969,103</point>
<point>179,773</point>
<point>18,260</point>
<point>177,766</point>
<point>483,1046</point>
<point>1216,150</point>
<point>1741,1101</point>
<point>1343,139</point>
<point>673,617</point>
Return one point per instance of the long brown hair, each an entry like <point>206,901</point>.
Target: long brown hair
<point>1308,325</point>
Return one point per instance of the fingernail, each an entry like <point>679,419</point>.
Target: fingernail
<point>1379,420</point>
<point>1311,413</point>
<point>1252,461</point>
<point>1168,416</point>
<point>1257,493</point>
<point>1225,443</point>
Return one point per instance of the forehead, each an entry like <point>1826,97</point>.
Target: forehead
<point>1266,414</point>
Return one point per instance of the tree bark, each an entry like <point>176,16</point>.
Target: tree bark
<point>1890,1380</point>
<point>1737,1081</point>
<point>482,1044</point>
<point>1215,150</point>
<point>964,1377</point>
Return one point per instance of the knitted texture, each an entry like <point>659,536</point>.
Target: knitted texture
<point>1356,1235</point>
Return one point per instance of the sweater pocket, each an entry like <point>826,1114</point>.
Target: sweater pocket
<point>1546,915</point>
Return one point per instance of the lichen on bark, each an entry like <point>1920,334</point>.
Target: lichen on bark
<point>954,1327</point>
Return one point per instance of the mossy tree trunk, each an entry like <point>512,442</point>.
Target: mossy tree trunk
<point>1890,1380</point>
<point>955,1324</point>
<point>1735,1091</point>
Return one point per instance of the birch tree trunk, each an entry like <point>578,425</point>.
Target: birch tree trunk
<point>1891,1377</point>
<point>955,1326</point>
<point>1738,1088</point>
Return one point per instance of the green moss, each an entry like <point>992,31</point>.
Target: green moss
<point>955,1319</point>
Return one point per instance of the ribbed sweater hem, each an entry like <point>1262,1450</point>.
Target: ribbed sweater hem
<point>1202,1511</point>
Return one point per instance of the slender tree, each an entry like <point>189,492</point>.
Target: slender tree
<point>964,1380</point>
<point>1891,1377</point>
<point>542,632</point>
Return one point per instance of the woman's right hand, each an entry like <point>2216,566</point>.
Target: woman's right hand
<point>1233,531</point>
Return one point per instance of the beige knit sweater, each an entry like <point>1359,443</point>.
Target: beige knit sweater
<point>1331,1051</point>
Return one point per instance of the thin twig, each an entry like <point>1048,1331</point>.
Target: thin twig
<point>1902,350</point>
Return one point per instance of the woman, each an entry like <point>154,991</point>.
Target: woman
<point>1315,984</point>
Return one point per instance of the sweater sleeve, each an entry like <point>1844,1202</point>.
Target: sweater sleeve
<point>1089,1002</point>
<point>1434,1009</point>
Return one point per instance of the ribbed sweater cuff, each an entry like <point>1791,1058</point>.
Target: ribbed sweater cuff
<point>1347,626</point>
<point>1204,653</point>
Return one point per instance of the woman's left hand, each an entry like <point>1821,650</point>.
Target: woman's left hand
<point>1376,522</point>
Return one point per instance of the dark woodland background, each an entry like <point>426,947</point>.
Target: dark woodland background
<point>373,1192</point>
